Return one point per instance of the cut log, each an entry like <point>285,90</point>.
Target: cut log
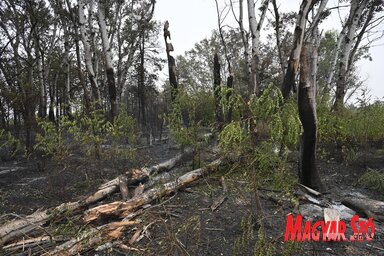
<point>21,226</point>
<point>37,242</point>
<point>369,207</point>
<point>220,200</point>
<point>136,176</point>
<point>91,238</point>
<point>123,188</point>
<point>121,209</point>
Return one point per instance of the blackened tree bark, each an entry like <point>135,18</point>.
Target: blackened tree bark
<point>171,62</point>
<point>216,90</point>
<point>141,85</point>
<point>294,58</point>
<point>229,94</point>
<point>308,173</point>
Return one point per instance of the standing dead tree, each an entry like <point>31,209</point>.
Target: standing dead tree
<point>216,90</point>
<point>308,173</point>
<point>171,61</point>
<point>228,117</point>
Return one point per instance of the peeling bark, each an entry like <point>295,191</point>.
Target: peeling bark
<point>108,60</point>
<point>255,29</point>
<point>347,43</point>
<point>121,209</point>
<point>294,58</point>
<point>88,54</point>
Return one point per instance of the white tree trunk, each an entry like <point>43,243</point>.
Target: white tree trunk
<point>108,59</point>
<point>245,40</point>
<point>87,50</point>
<point>255,28</point>
<point>347,43</point>
<point>294,58</point>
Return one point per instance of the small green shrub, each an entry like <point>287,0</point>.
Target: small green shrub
<point>87,133</point>
<point>343,132</point>
<point>280,117</point>
<point>52,142</point>
<point>9,146</point>
<point>372,179</point>
<point>232,138</point>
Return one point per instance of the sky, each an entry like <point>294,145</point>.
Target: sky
<point>193,20</point>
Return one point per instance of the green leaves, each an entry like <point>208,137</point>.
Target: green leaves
<point>9,145</point>
<point>86,133</point>
<point>232,137</point>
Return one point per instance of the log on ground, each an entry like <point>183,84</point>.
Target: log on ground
<point>120,209</point>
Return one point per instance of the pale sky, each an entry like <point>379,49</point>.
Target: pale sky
<point>193,20</point>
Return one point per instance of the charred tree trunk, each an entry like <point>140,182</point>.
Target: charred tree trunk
<point>294,58</point>
<point>217,91</point>
<point>308,173</point>
<point>171,62</point>
<point>67,85</point>
<point>141,86</point>
<point>229,94</point>
<point>42,111</point>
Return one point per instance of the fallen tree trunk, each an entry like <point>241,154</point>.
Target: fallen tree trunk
<point>136,176</point>
<point>91,238</point>
<point>22,226</point>
<point>121,209</point>
<point>371,208</point>
<point>33,245</point>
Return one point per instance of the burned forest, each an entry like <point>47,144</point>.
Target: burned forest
<point>180,127</point>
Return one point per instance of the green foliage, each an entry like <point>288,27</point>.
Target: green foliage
<point>9,145</point>
<point>87,133</point>
<point>281,118</point>
<point>292,248</point>
<point>263,247</point>
<point>232,138</point>
<point>124,128</point>
<point>277,122</point>
<point>372,179</point>
<point>346,130</point>
<point>272,169</point>
<point>243,242</point>
<point>51,141</point>
<point>366,123</point>
<point>189,113</point>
